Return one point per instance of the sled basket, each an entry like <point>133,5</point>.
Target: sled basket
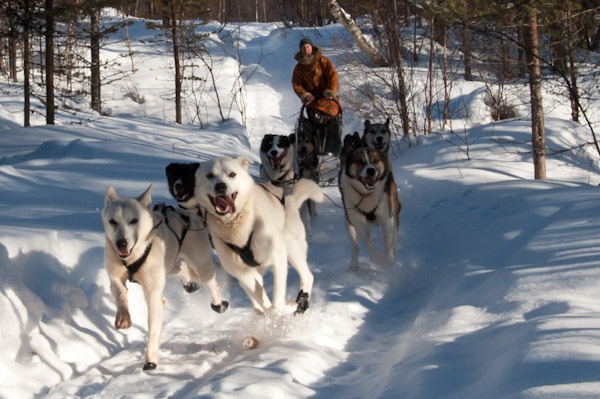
<point>327,133</point>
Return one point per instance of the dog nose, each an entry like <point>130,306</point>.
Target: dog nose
<point>178,187</point>
<point>122,244</point>
<point>371,172</point>
<point>220,188</point>
<point>273,153</point>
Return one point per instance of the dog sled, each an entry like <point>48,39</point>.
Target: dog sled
<point>324,134</point>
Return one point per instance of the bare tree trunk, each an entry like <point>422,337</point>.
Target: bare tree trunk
<point>2,64</point>
<point>174,33</point>
<point>466,46</point>
<point>95,65</point>
<point>445,77</point>
<point>429,116</point>
<point>394,40</point>
<point>573,92</point>
<point>521,52</point>
<point>12,53</point>
<point>130,50</point>
<point>538,133</point>
<point>415,45</point>
<point>365,45</point>
<point>69,57</point>
<point>49,5</point>
<point>26,65</point>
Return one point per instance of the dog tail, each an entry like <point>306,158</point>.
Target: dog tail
<point>303,190</point>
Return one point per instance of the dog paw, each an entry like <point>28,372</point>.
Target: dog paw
<point>220,308</point>
<point>149,366</point>
<point>250,343</point>
<point>191,287</point>
<point>302,301</point>
<point>123,320</point>
<point>382,259</point>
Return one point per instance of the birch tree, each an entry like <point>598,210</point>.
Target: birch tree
<point>361,40</point>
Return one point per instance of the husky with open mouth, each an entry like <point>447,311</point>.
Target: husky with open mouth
<point>181,179</point>
<point>378,136</point>
<point>255,226</point>
<point>370,198</point>
<point>144,246</point>
<point>277,161</point>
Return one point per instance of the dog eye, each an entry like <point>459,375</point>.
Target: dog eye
<point>133,221</point>
<point>112,222</point>
<point>210,176</point>
<point>232,174</point>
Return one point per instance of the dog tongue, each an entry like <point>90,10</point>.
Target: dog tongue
<point>181,197</point>
<point>277,160</point>
<point>224,204</point>
<point>369,182</point>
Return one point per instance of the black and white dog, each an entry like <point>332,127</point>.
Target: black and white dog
<point>277,161</point>
<point>181,178</point>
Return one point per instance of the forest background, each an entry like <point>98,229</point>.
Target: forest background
<point>494,41</point>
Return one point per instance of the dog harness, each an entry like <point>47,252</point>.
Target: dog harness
<point>184,219</point>
<point>369,215</point>
<point>284,180</point>
<point>133,268</point>
<point>245,253</point>
<point>281,200</point>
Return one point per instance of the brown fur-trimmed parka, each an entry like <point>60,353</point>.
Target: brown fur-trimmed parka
<point>315,74</point>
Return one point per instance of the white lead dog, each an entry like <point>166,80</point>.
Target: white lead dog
<point>144,246</point>
<point>253,227</point>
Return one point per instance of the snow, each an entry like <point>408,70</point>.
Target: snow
<point>494,293</point>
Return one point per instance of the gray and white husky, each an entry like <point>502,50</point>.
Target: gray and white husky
<point>254,226</point>
<point>378,136</point>
<point>145,246</point>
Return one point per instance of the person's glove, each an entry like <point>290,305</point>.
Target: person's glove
<point>309,99</point>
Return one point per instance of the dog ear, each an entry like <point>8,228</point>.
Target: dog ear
<point>111,195</point>
<point>244,161</point>
<point>387,123</point>
<point>367,125</point>
<point>146,198</point>
<point>292,138</point>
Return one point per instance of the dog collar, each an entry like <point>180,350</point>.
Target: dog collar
<point>133,268</point>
